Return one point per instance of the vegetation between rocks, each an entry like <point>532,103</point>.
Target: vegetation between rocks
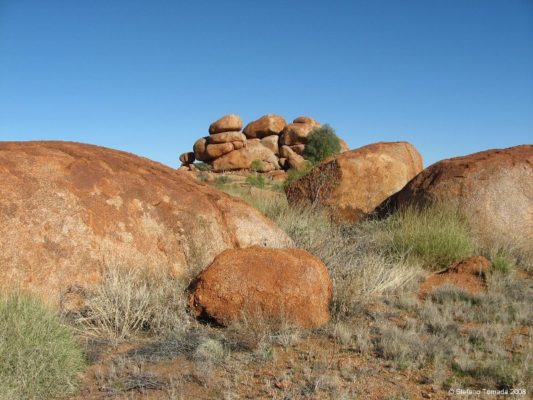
<point>321,143</point>
<point>452,339</point>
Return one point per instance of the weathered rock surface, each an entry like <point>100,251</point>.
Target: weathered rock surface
<point>227,123</point>
<point>298,148</point>
<point>68,208</point>
<point>238,145</point>
<point>292,159</point>
<point>493,189</point>
<point>296,133</point>
<point>187,158</point>
<point>226,137</point>
<point>217,150</point>
<point>306,120</point>
<point>468,274</point>
<point>243,158</point>
<point>258,283</point>
<point>271,142</point>
<point>267,125</point>
<point>352,184</point>
<point>199,149</point>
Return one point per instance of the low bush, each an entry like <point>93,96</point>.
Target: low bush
<point>321,143</point>
<point>131,302</point>
<point>435,236</point>
<point>39,358</point>
<point>256,181</point>
<point>256,165</point>
<point>502,262</point>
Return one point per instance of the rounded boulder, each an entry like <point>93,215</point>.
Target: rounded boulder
<point>267,125</point>
<point>352,184</point>
<point>277,285</point>
<point>492,188</point>
<point>228,123</point>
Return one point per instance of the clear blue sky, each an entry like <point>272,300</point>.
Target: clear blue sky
<point>450,76</point>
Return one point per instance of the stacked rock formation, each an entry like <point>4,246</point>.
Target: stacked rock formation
<point>266,144</point>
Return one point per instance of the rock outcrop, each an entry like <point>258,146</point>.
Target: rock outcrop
<point>493,189</point>
<point>468,274</point>
<point>352,184</point>
<point>68,208</point>
<point>262,140</point>
<point>276,285</point>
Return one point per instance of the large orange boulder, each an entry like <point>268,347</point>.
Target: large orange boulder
<point>352,184</point>
<point>67,209</point>
<point>257,283</point>
<point>493,189</point>
<point>227,123</point>
<point>267,125</point>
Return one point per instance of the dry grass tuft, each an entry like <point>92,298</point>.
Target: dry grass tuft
<point>130,301</point>
<point>39,357</point>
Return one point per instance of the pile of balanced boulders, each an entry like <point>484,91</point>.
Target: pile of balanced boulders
<point>264,145</point>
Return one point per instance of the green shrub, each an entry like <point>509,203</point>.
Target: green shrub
<point>321,143</point>
<point>39,358</point>
<point>256,165</point>
<point>256,180</point>
<point>435,236</point>
<point>501,263</point>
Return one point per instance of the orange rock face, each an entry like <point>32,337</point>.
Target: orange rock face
<point>243,158</point>
<point>226,137</point>
<point>218,149</point>
<point>352,184</point>
<point>467,274</point>
<point>493,189</point>
<point>67,209</point>
<point>296,133</point>
<point>271,142</point>
<point>275,284</point>
<point>199,149</point>
<point>306,120</point>
<point>227,123</point>
<point>267,125</point>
